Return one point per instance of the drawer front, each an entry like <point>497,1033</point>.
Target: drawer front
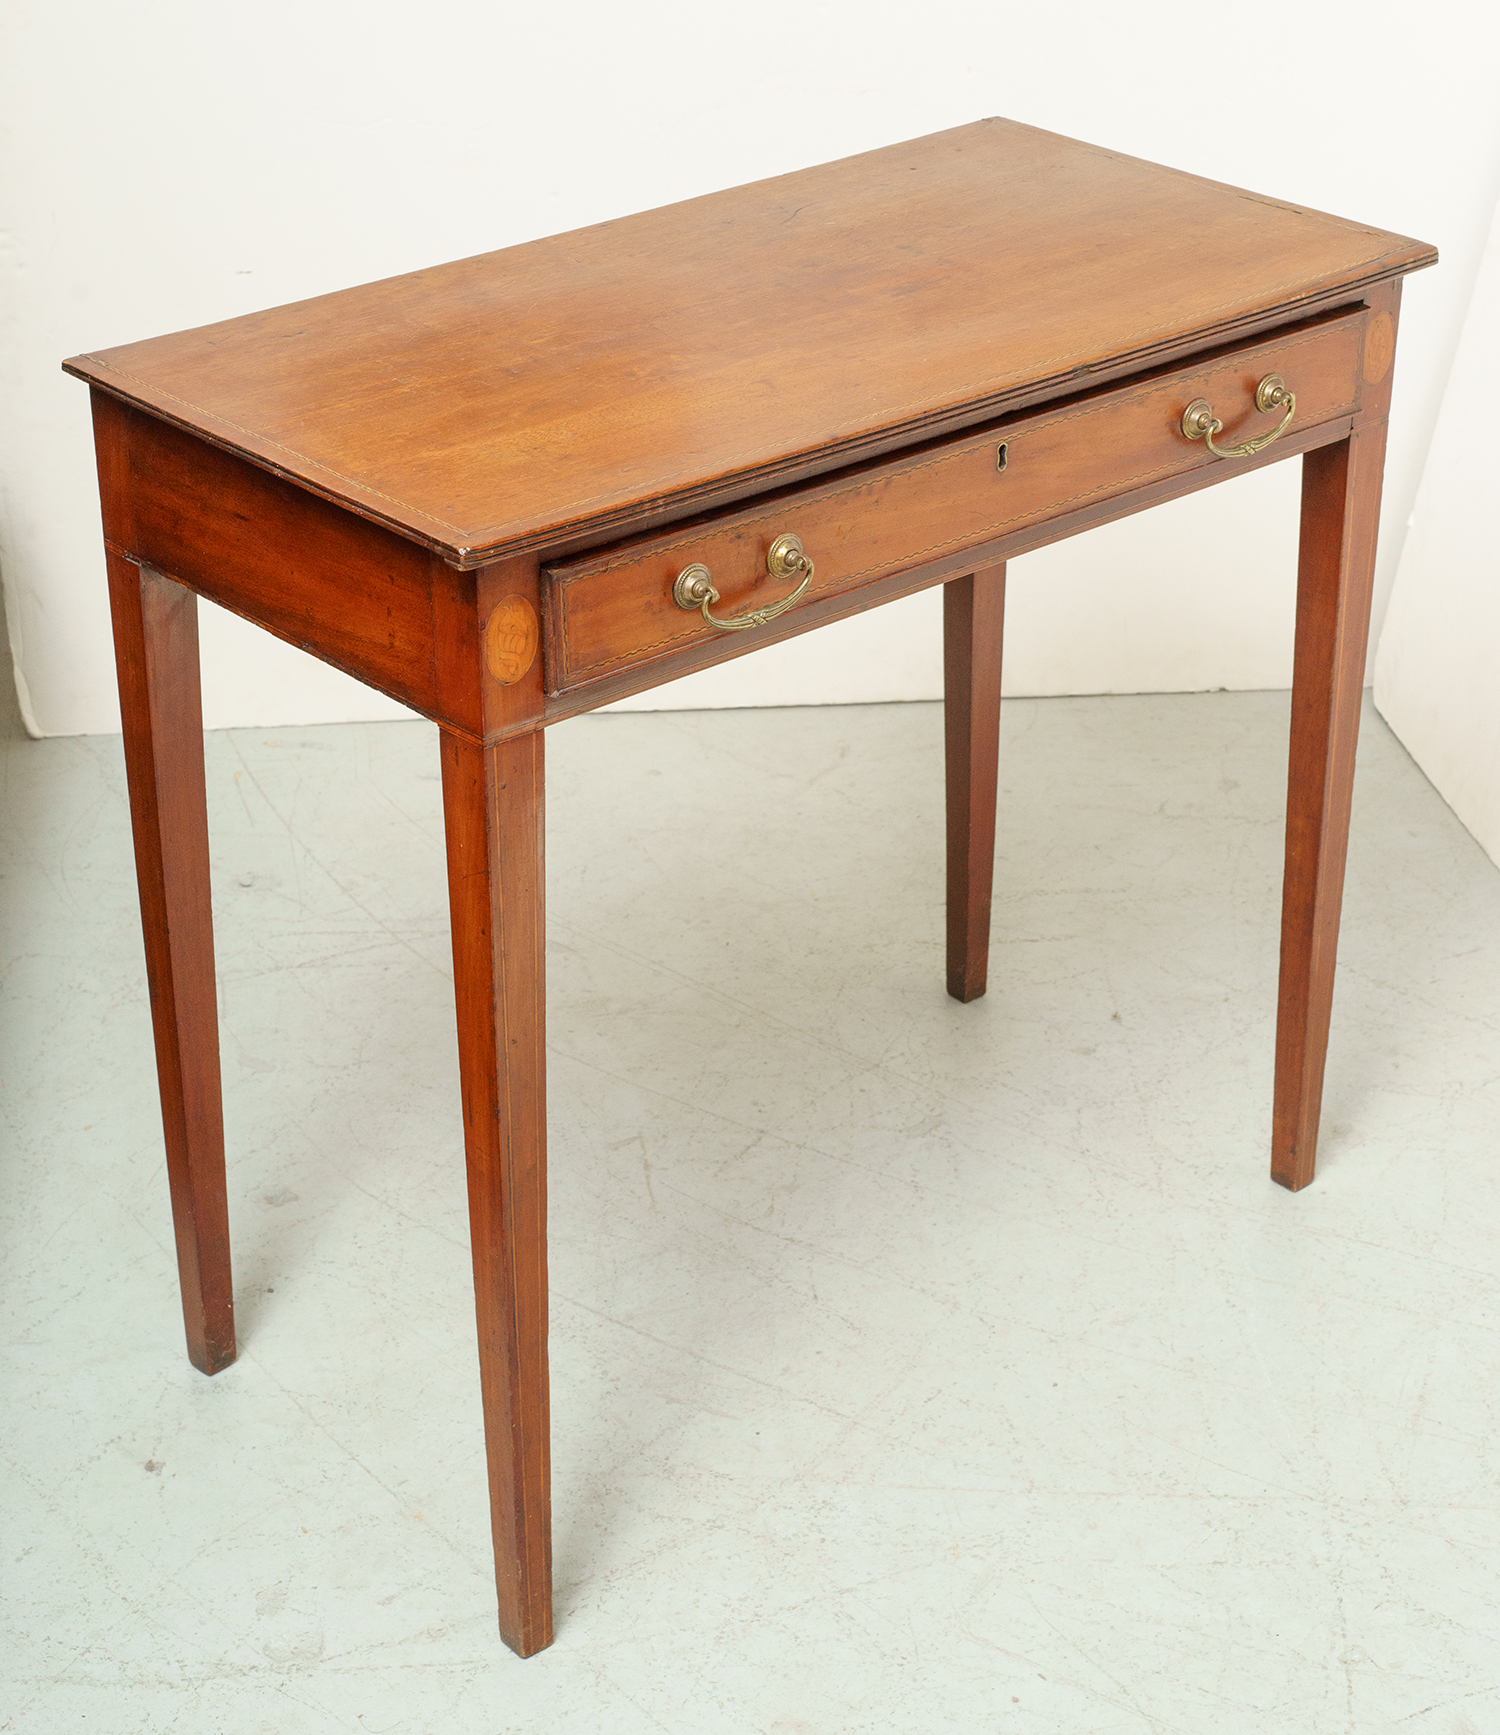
<point>613,609</point>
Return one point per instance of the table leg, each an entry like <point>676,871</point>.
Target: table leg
<point>1336,563</point>
<point>492,801</point>
<point>161,708</point>
<point>973,626</point>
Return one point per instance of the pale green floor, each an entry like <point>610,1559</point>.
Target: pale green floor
<point>917,1367</point>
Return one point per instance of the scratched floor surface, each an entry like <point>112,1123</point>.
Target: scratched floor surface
<point>917,1368</point>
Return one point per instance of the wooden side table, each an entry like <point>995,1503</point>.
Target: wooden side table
<point>513,488</point>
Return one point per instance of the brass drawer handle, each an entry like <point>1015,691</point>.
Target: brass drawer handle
<point>694,587</point>
<point>1200,423</point>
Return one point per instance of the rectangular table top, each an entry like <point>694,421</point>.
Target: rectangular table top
<point>593,382</point>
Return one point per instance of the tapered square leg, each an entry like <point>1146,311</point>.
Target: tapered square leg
<point>973,629</point>
<point>161,708</point>
<point>1335,571</point>
<point>492,801</point>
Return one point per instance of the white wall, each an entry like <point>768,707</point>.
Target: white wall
<point>172,163</point>
<point>1437,676</point>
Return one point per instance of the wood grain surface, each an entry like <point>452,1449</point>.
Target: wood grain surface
<point>156,658</point>
<point>613,610</point>
<point>1341,487</point>
<point>380,475</point>
<point>1336,567</point>
<point>629,373</point>
<point>973,638</point>
<point>350,592</point>
<point>493,806</point>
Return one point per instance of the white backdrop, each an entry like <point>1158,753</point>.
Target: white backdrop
<point>1437,677</point>
<point>171,163</point>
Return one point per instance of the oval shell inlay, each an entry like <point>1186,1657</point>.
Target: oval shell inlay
<point>1380,348</point>
<point>510,636</point>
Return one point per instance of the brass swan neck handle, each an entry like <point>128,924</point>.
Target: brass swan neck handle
<point>694,586</point>
<point>1200,423</point>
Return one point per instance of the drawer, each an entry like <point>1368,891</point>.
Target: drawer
<point>613,609</point>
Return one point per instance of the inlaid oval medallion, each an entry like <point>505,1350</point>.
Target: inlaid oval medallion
<point>510,636</point>
<point>1380,348</point>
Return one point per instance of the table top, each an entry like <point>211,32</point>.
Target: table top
<point>596,382</point>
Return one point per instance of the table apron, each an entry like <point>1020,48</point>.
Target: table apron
<point>807,617</point>
<point>402,620</point>
<point>621,608</point>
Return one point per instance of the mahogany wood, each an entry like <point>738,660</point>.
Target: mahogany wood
<point>156,657</point>
<point>1335,574</point>
<point>808,615</point>
<point>1341,487</point>
<point>492,804</point>
<point>421,667</point>
<point>380,476</point>
<point>643,369</point>
<point>973,637</point>
<point>304,568</point>
<point>614,609</point>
